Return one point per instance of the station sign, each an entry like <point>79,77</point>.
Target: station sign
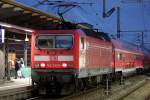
<point>2,35</point>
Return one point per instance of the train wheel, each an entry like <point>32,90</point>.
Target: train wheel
<point>55,89</point>
<point>67,89</point>
<point>122,78</point>
<point>35,89</point>
<point>80,85</point>
<point>94,81</point>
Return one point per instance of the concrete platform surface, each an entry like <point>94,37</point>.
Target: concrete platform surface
<point>15,83</point>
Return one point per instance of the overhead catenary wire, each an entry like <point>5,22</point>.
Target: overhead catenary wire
<point>142,6</point>
<point>64,6</point>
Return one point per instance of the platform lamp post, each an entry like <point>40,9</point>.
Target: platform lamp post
<point>26,50</point>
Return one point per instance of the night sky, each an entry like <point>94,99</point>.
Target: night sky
<point>134,16</point>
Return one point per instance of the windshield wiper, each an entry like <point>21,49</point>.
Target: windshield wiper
<point>68,48</point>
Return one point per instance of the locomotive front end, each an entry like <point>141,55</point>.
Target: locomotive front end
<point>52,59</point>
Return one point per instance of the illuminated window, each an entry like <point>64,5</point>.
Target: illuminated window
<point>82,43</point>
<point>120,56</point>
<point>135,57</point>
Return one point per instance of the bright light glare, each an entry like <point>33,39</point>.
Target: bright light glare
<point>5,25</point>
<point>42,65</point>
<point>64,65</point>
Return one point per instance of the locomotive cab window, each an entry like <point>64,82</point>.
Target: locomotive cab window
<point>45,41</point>
<point>54,41</point>
<point>64,42</point>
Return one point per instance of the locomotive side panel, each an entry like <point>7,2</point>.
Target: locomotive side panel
<point>93,57</point>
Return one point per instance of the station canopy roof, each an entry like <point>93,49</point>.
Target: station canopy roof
<point>18,14</point>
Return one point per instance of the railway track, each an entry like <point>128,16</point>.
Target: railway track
<point>65,97</point>
<point>98,93</point>
<point>120,95</point>
<point>140,92</point>
<point>34,98</point>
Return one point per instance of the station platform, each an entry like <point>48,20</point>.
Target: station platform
<point>16,89</point>
<point>15,83</point>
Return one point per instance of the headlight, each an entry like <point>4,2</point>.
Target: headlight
<point>64,65</point>
<point>42,65</point>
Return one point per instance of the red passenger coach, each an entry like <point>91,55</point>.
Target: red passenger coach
<point>128,59</point>
<point>61,58</point>
<point>146,63</point>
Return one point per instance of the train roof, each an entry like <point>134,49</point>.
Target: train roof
<point>99,35</point>
<point>125,46</point>
<point>88,32</point>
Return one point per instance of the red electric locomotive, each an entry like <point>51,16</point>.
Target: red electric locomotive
<point>64,59</point>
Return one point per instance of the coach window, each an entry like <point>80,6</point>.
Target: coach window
<point>135,57</point>
<point>82,43</point>
<point>120,56</point>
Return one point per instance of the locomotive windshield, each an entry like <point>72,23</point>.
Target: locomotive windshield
<point>54,41</point>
